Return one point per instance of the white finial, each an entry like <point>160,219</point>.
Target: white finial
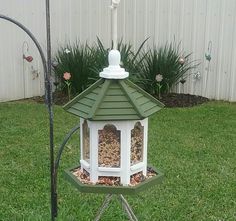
<point>114,58</point>
<point>114,71</point>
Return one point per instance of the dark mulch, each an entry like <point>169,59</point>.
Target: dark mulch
<point>182,100</point>
<point>170,100</point>
<point>59,98</point>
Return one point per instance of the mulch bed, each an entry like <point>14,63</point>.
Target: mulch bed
<point>169,100</point>
<point>182,100</point>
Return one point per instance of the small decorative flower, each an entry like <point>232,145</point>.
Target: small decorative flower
<point>67,51</point>
<point>159,77</point>
<point>181,60</point>
<point>67,76</point>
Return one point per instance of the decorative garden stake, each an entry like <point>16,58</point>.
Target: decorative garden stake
<point>159,78</point>
<point>67,77</point>
<point>113,134</point>
<point>182,81</point>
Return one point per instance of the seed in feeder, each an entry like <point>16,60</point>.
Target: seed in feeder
<point>108,181</point>
<point>135,179</point>
<point>136,144</point>
<point>109,147</point>
<point>86,151</point>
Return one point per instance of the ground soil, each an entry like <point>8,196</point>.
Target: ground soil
<point>169,100</point>
<point>182,100</point>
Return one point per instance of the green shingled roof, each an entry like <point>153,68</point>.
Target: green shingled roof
<point>110,99</point>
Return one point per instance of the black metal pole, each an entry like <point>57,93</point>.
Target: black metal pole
<point>49,93</point>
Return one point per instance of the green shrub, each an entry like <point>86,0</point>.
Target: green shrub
<point>167,61</point>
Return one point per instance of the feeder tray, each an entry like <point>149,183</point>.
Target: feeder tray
<point>114,189</point>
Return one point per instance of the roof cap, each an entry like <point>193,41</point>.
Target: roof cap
<point>114,71</point>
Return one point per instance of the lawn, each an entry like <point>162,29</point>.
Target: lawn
<point>194,147</point>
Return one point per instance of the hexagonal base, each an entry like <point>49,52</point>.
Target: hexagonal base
<point>89,188</point>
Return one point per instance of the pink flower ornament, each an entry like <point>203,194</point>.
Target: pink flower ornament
<point>67,76</point>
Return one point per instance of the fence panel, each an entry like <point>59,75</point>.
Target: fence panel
<point>202,26</point>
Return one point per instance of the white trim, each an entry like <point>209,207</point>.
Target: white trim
<point>138,166</point>
<point>85,164</point>
<point>114,174</point>
<point>109,169</point>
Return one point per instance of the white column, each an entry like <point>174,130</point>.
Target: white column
<point>125,153</point>
<point>81,143</point>
<point>145,143</point>
<point>94,152</point>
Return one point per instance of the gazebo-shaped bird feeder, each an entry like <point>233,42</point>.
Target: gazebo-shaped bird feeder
<point>114,133</point>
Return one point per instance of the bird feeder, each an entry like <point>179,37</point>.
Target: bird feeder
<point>113,125</point>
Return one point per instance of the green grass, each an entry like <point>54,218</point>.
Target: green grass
<point>194,147</point>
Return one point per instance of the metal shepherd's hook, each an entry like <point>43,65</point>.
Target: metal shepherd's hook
<point>48,93</point>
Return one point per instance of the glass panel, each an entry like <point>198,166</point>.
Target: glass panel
<point>86,145</point>
<point>109,147</point>
<point>137,144</point>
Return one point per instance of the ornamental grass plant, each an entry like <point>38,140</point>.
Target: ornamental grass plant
<point>168,63</point>
<point>85,62</point>
<point>146,68</point>
<point>76,59</point>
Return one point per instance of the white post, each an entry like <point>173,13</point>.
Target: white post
<point>94,153</point>
<point>114,6</point>
<point>81,143</point>
<point>145,142</point>
<point>125,153</point>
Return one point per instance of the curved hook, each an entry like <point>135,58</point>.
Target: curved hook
<point>209,49</point>
<point>66,139</point>
<point>25,47</point>
<point>25,52</point>
<point>114,4</point>
<point>47,78</point>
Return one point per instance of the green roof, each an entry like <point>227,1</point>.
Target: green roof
<point>111,99</point>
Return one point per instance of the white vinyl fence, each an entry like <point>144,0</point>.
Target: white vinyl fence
<point>203,26</point>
